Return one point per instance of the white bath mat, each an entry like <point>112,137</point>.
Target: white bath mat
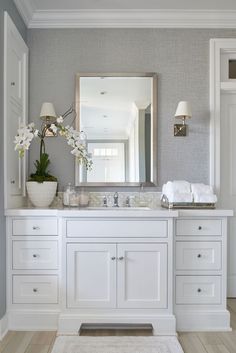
<point>123,344</point>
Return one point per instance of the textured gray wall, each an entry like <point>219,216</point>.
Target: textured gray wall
<point>181,59</point>
<point>9,6</point>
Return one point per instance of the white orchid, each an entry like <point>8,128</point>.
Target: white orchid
<point>60,120</point>
<point>53,127</point>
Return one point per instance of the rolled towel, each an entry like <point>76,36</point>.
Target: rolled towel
<point>176,197</point>
<point>199,188</point>
<point>204,198</point>
<point>179,186</point>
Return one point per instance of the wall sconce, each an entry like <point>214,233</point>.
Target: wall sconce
<point>183,111</point>
<point>48,115</point>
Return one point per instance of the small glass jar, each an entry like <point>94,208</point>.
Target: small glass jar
<point>66,194</point>
<point>74,198</point>
<point>84,198</point>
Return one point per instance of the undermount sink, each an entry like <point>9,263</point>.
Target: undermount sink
<point>102,208</point>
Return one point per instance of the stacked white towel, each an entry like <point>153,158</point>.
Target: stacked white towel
<point>177,191</point>
<point>203,193</point>
<point>182,191</point>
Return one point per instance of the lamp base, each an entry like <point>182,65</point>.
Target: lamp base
<point>180,130</point>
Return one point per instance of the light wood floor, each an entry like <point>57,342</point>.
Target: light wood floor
<point>194,342</point>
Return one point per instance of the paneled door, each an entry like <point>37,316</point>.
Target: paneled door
<point>228,178</point>
<point>91,275</point>
<point>142,275</point>
<point>15,110</point>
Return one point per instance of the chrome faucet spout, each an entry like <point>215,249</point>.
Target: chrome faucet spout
<point>116,197</point>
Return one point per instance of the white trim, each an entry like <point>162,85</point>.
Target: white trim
<point>3,326</point>
<point>203,321</point>
<point>26,10</point>
<point>30,320</point>
<point>129,18</point>
<point>217,46</point>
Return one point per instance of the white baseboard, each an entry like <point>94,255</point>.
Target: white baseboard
<point>33,320</point>
<point>203,321</point>
<point>162,325</point>
<point>3,326</point>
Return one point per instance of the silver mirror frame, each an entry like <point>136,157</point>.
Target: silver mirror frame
<point>154,129</point>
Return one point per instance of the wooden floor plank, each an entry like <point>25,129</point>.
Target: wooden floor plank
<point>37,348</point>
<point>18,343</point>
<point>209,338</point>
<point>191,343</point>
<point>216,348</point>
<point>44,337</point>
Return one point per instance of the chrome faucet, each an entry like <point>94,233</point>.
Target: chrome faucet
<point>116,200</point>
<point>104,201</point>
<point>127,201</point>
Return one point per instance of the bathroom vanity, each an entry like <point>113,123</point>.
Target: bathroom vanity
<point>119,266</point>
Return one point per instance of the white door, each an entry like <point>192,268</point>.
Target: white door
<point>142,275</point>
<point>91,275</point>
<point>228,179</point>
<point>15,110</point>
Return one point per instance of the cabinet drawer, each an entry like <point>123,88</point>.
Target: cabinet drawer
<point>35,255</point>
<point>35,289</point>
<point>34,226</point>
<point>198,289</point>
<point>115,228</point>
<point>198,227</point>
<point>191,255</point>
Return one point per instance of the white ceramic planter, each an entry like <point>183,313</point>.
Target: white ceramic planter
<point>41,194</point>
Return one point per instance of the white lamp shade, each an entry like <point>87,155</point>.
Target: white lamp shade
<point>47,110</point>
<point>183,110</point>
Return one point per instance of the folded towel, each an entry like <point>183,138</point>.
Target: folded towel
<point>201,188</point>
<point>179,197</point>
<point>179,186</point>
<point>204,198</point>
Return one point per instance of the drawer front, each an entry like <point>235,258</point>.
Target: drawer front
<point>191,255</point>
<point>34,226</point>
<point>116,228</point>
<point>198,227</point>
<point>35,255</point>
<point>198,289</point>
<point>35,289</point>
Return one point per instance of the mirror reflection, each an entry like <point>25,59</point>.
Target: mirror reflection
<point>117,113</point>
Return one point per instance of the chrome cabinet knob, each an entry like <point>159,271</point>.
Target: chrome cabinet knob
<point>199,256</point>
<point>121,258</point>
<point>12,181</point>
<point>199,227</point>
<point>113,258</point>
<point>35,255</point>
<point>36,228</point>
<point>13,83</point>
<point>35,290</point>
<point>199,290</point>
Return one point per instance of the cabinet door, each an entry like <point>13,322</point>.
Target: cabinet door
<point>91,275</point>
<point>142,275</point>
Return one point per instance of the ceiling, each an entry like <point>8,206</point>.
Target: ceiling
<point>128,13</point>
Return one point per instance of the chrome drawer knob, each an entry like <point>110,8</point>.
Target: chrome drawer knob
<point>199,290</point>
<point>36,228</point>
<point>121,258</point>
<point>199,227</point>
<point>199,256</point>
<point>113,258</point>
<point>35,290</point>
<point>35,255</point>
<point>13,83</point>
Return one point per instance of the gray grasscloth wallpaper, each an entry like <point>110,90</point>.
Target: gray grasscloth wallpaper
<point>181,59</point>
<point>9,6</point>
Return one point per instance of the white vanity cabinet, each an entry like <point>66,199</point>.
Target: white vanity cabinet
<point>200,271</point>
<point>117,275</point>
<point>159,267</point>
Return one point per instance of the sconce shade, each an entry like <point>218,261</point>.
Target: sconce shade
<point>48,112</point>
<point>183,110</point>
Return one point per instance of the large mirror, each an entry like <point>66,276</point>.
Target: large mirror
<point>118,113</point>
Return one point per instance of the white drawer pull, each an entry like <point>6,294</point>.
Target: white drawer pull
<point>199,290</point>
<point>36,228</point>
<point>35,290</point>
<point>199,227</point>
<point>121,258</point>
<point>199,256</point>
<point>113,258</point>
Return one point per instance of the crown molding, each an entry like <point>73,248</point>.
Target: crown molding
<point>125,18</point>
<point>26,10</point>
